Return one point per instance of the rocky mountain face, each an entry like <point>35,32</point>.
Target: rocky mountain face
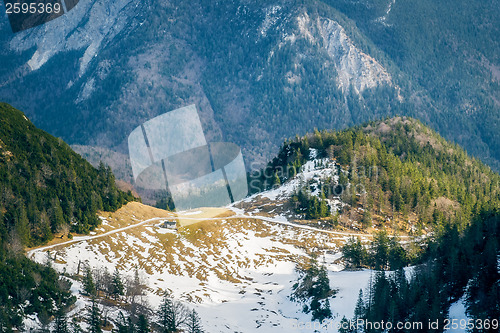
<point>355,69</point>
<point>257,74</point>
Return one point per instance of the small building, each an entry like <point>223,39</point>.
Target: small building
<point>168,224</point>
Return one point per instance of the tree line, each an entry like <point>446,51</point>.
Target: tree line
<point>457,266</point>
<point>108,292</point>
<point>45,189</point>
<point>392,168</point>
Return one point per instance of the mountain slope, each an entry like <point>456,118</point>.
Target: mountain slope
<point>452,52</point>
<point>239,269</point>
<point>299,64</point>
<point>394,173</point>
<point>45,189</point>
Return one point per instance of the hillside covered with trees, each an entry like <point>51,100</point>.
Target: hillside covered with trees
<point>268,65</point>
<point>45,188</point>
<point>457,266</point>
<point>395,171</point>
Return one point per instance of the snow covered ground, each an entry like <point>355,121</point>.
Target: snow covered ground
<point>238,276</point>
<point>236,271</point>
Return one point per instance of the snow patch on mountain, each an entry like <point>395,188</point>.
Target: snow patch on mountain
<point>313,172</point>
<point>238,277</point>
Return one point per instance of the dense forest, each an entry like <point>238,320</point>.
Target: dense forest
<point>451,54</point>
<point>456,266</point>
<point>45,189</point>
<point>392,170</point>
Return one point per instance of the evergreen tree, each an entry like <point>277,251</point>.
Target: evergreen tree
<point>276,180</point>
<point>193,324</point>
<point>117,288</point>
<point>366,220</point>
<point>58,215</point>
<point>94,318</point>
<point>75,326</point>
<point>344,326</point>
<point>61,322</point>
<point>315,287</point>
<point>354,252</point>
<point>142,324</point>
<point>88,282</point>
<point>381,250</point>
<point>172,315</point>
<point>165,314</point>
<point>359,310</point>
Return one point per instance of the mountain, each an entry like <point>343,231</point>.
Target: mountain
<point>258,74</point>
<point>394,173</point>
<point>46,187</point>
<point>276,260</point>
<point>45,190</point>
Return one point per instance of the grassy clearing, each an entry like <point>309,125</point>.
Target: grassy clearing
<point>197,215</point>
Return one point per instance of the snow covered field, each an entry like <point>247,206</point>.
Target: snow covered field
<point>237,270</point>
<point>239,278</point>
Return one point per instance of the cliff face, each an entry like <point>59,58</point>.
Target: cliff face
<point>355,69</point>
<point>87,28</point>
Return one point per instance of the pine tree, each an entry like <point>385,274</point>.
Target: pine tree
<point>75,326</point>
<point>58,215</point>
<point>193,323</point>
<point>276,180</point>
<point>22,225</point>
<point>354,252</point>
<point>61,322</point>
<point>142,324</point>
<point>344,326</point>
<point>359,310</point>
<point>324,209</point>
<point>94,318</point>
<point>172,315</point>
<point>381,250</point>
<point>116,285</point>
<point>88,282</point>
<point>167,321</point>
<point>366,220</point>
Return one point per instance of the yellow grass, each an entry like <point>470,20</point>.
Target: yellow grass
<point>201,214</point>
<point>131,213</point>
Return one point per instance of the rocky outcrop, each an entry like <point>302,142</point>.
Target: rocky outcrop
<point>356,70</point>
<point>86,27</point>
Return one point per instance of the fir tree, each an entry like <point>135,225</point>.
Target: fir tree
<point>94,318</point>
<point>142,324</point>
<point>61,322</point>
<point>193,324</point>
<point>344,326</point>
<point>75,326</point>
<point>88,282</point>
<point>116,285</point>
<point>276,180</point>
<point>165,314</point>
<point>359,310</point>
<point>172,315</point>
